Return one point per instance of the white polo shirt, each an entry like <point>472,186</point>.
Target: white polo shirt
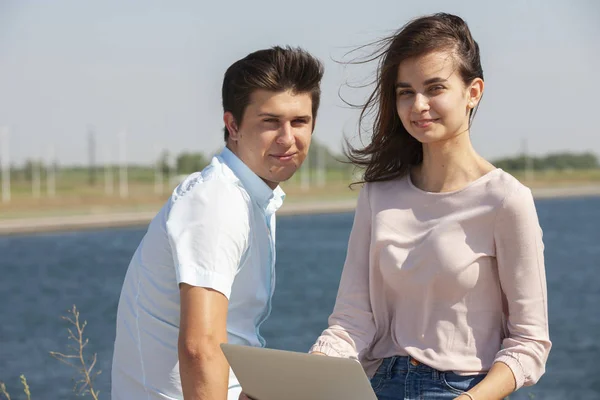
<point>217,231</point>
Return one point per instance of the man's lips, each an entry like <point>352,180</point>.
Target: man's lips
<point>284,157</point>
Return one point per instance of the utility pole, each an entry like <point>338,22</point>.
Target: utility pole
<point>321,172</point>
<point>158,173</point>
<point>35,178</point>
<point>51,173</point>
<point>4,147</point>
<point>305,174</point>
<point>123,182</point>
<point>528,162</point>
<point>108,173</point>
<point>92,156</point>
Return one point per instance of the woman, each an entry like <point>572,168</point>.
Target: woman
<point>443,293</point>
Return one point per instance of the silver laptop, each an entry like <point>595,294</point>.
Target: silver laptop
<point>267,374</point>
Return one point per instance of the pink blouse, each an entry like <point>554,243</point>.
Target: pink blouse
<point>456,279</point>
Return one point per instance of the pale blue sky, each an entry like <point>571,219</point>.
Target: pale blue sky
<point>155,68</point>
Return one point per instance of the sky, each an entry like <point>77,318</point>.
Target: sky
<point>150,71</point>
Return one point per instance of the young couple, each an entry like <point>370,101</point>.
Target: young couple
<point>443,292</point>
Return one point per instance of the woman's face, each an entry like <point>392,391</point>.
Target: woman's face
<point>432,100</point>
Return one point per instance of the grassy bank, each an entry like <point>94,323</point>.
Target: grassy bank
<point>141,197</point>
<point>76,196</point>
<point>554,178</point>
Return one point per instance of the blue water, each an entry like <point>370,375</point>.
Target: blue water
<point>41,276</point>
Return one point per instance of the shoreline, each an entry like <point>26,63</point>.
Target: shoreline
<point>24,226</point>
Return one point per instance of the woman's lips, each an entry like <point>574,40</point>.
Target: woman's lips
<point>424,123</point>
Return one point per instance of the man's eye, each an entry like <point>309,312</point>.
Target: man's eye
<point>270,120</point>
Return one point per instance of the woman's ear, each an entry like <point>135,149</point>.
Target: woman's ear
<point>475,92</point>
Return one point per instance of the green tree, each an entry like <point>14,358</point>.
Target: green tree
<point>30,166</point>
<point>559,161</point>
<point>331,161</point>
<point>164,163</point>
<point>190,162</point>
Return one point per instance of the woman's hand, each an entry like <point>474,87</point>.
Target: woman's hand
<point>463,397</point>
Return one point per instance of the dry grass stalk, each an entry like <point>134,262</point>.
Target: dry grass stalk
<point>76,359</point>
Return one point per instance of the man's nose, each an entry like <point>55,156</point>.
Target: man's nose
<point>286,134</point>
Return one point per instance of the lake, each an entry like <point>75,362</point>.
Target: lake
<point>41,276</point>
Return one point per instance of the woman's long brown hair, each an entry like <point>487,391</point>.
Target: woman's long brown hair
<point>392,151</point>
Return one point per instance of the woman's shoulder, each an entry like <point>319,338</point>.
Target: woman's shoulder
<point>386,194</point>
<point>505,187</point>
<point>507,181</point>
<point>391,185</point>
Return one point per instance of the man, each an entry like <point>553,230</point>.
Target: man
<point>204,272</point>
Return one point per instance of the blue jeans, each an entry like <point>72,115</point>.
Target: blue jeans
<point>404,378</point>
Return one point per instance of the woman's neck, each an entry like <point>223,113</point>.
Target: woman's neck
<point>449,165</point>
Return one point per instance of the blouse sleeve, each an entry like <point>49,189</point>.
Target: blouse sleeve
<point>520,257</point>
<point>351,325</point>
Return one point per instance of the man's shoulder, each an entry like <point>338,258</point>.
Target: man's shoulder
<point>215,180</point>
<point>212,196</point>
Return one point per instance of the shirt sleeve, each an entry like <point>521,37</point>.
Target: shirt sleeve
<point>208,229</point>
<point>351,325</point>
<point>520,257</point>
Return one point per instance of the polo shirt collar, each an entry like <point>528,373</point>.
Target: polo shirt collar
<point>268,199</point>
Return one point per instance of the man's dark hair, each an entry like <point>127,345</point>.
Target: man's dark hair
<point>276,69</point>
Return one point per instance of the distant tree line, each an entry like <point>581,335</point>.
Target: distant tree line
<point>555,161</point>
<point>188,162</point>
<point>181,164</point>
<point>319,156</point>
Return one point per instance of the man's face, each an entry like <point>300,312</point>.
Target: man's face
<point>273,137</point>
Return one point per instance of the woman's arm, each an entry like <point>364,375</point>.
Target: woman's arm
<point>499,383</point>
<point>351,325</point>
<point>520,259</point>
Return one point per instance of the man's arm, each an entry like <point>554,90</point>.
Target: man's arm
<point>202,365</point>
